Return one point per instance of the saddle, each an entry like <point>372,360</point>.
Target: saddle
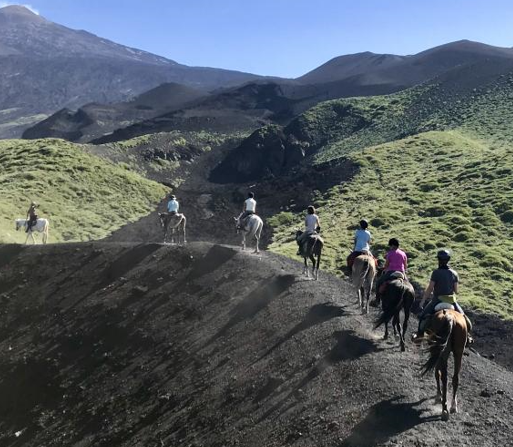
<point>309,242</point>
<point>393,277</point>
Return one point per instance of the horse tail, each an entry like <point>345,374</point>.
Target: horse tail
<point>390,311</point>
<point>46,230</point>
<point>366,271</point>
<point>439,343</point>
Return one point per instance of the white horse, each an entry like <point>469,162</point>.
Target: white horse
<point>41,226</point>
<point>252,228</point>
<point>176,223</point>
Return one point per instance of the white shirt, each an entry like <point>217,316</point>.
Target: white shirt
<point>311,223</point>
<point>363,238</point>
<point>250,204</point>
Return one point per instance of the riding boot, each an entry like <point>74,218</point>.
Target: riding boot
<point>470,340</point>
<point>419,336</point>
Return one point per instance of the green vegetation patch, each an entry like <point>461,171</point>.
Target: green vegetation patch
<point>83,196</point>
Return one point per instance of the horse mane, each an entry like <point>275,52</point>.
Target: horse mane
<point>438,342</point>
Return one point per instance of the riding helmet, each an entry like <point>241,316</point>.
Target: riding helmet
<point>364,224</point>
<point>172,197</point>
<point>444,255</point>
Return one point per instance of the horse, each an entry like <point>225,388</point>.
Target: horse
<point>176,223</point>
<point>398,295</point>
<point>363,274</point>
<point>41,226</point>
<point>250,227</point>
<point>312,249</point>
<point>447,333</point>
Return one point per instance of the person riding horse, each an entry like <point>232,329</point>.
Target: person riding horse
<point>444,287</point>
<point>312,226</point>
<point>248,209</point>
<point>395,266</point>
<point>172,205</point>
<point>31,216</point>
<point>362,239</point>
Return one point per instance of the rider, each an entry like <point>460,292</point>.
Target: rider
<point>444,286</point>
<point>362,239</point>
<point>172,205</point>
<point>396,261</point>
<point>312,225</point>
<point>31,216</point>
<point>248,208</point>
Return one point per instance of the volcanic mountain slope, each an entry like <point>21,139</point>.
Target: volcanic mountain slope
<point>142,345</point>
<point>278,101</point>
<point>45,67</point>
<point>94,120</point>
<point>404,71</point>
<point>336,128</point>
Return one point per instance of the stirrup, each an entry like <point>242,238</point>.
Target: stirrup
<point>418,337</point>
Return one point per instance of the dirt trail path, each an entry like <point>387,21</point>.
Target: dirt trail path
<point>116,344</point>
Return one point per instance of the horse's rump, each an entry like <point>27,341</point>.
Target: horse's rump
<point>398,294</point>
<point>444,326</point>
<point>363,266</point>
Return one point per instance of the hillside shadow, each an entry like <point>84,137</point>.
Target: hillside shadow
<point>318,314</point>
<point>9,252</point>
<point>348,346</point>
<point>385,420</point>
<point>256,301</point>
<point>126,262</point>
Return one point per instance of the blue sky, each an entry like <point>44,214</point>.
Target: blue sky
<point>283,37</point>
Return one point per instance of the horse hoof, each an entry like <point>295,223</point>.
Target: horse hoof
<point>445,415</point>
<point>403,348</point>
<point>454,410</point>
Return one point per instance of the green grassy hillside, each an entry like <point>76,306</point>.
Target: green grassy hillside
<point>448,187</point>
<point>84,197</point>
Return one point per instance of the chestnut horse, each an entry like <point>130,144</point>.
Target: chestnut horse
<point>362,276</point>
<point>446,333</point>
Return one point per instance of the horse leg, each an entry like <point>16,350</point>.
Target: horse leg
<point>317,266</point>
<point>33,238</point>
<point>243,241</point>
<point>438,398</point>
<point>443,370</point>
<point>401,336</point>
<point>385,337</point>
<point>405,321</point>
<point>184,225</point>
<point>305,269</point>
<point>456,380</point>
<point>311,256</point>
<point>257,250</point>
<point>395,324</point>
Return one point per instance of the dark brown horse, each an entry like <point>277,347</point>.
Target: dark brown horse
<point>399,295</point>
<point>447,332</point>
<point>311,249</point>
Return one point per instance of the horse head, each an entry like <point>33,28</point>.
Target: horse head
<point>18,224</point>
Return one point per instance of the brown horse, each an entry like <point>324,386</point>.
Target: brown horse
<point>398,295</point>
<point>175,223</point>
<point>311,249</point>
<point>363,274</point>
<point>447,332</point>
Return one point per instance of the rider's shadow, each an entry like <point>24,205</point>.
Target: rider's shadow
<point>387,419</point>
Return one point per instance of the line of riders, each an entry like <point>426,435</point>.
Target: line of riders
<point>442,286</point>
